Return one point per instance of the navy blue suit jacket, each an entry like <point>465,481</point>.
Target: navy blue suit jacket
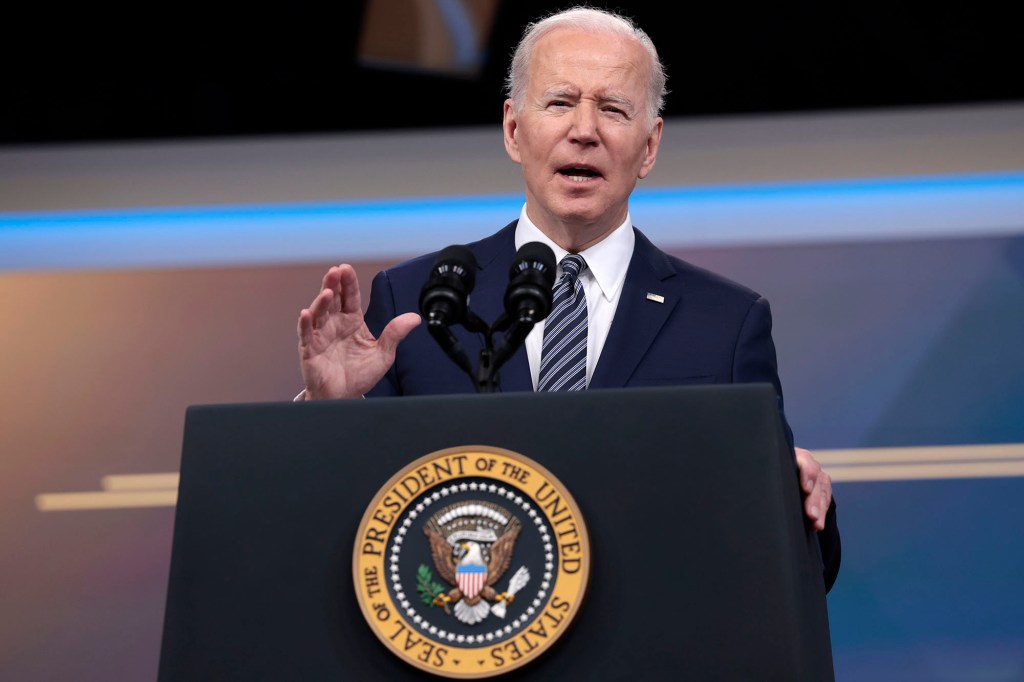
<point>707,330</point>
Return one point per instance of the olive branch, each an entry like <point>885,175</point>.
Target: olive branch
<point>428,589</point>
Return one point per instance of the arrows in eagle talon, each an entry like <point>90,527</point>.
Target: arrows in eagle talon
<point>518,582</point>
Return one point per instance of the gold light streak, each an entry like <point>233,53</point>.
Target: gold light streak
<point>119,492</point>
<point>124,491</point>
<point>141,482</point>
<point>1003,460</point>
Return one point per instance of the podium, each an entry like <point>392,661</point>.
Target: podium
<point>702,567</point>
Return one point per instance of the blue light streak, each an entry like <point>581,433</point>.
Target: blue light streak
<point>818,211</point>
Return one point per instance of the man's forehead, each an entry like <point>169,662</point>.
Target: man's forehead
<point>565,55</point>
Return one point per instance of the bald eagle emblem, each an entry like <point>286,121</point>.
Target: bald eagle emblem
<point>471,544</point>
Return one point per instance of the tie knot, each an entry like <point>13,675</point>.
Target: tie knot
<point>572,265</point>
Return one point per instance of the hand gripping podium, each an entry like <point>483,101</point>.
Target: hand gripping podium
<point>701,566</point>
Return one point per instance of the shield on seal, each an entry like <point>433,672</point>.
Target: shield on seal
<point>471,579</point>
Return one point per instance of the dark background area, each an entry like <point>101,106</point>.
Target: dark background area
<point>176,70</point>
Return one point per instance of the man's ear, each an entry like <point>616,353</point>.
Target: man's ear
<point>509,127</point>
<point>652,145</point>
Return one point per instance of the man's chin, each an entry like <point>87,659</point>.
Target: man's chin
<point>583,210</point>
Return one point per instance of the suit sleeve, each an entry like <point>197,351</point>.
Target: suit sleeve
<point>754,358</point>
<point>755,362</point>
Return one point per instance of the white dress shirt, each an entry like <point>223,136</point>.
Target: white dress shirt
<point>607,262</point>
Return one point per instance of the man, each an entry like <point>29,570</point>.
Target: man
<point>582,120</point>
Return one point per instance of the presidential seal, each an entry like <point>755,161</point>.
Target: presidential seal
<point>471,562</point>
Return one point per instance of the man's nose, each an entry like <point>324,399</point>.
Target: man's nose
<point>584,123</point>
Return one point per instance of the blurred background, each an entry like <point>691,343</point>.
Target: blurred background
<point>174,70</point>
<point>175,179</point>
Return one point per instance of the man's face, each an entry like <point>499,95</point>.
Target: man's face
<point>582,135</point>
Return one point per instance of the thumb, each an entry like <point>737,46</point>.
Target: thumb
<point>396,330</point>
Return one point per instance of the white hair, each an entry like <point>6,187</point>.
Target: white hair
<point>596,21</point>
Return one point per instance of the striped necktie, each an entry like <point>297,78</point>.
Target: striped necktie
<point>563,359</point>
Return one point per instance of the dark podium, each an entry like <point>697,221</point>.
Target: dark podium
<point>702,567</point>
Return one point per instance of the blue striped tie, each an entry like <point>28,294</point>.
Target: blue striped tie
<point>563,360</point>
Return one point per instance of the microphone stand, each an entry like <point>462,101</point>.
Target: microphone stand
<point>485,377</point>
<point>493,357</point>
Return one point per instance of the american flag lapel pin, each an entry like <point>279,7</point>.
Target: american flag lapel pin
<point>657,298</point>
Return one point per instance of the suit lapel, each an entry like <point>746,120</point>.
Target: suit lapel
<point>638,318</point>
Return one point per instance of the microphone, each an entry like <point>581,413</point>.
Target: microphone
<point>444,299</point>
<point>445,295</point>
<point>527,298</point>
<point>531,281</point>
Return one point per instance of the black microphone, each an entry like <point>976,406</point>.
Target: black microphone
<point>531,280</point>
<point>444,299</point>
<point>527,298</point>
<point>445,295</point>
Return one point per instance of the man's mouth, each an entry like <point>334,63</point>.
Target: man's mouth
<point>579,174</point>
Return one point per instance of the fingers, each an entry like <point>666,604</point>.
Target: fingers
<point>348,289</point>
<point>313,317</point>
<point>816,485</point>
<point>809,468</point>
<point>817,503</point>
<point>321,306</point>
<point>339,292</point>
<point>305,326</point>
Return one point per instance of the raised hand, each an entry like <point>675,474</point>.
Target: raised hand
<point>338,356</point>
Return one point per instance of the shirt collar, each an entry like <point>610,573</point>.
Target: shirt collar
<point>607,260</point>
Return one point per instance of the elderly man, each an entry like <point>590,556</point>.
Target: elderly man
<point>585,89</point>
